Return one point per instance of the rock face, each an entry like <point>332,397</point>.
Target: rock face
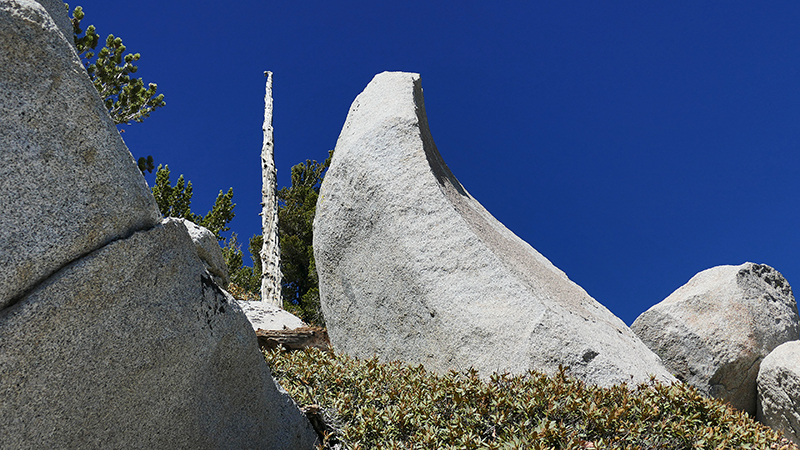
<point>134,345</point>
<point>714,331</point>
<point>56,10</point>
<point>69,184</point>
<point>411,267</point>
<point>265,316</point>
<point>112,333</point>
<point>779,390</point>
<point>208,250</point>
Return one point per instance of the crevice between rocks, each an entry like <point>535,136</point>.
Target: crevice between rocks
<point>43,279</point>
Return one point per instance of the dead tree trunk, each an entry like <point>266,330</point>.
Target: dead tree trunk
<point>270,251</point>
<point>297,339</point>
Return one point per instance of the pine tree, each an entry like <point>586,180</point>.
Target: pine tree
<point>245,282</point>
<point>176,201</point>
<point>124,98</point>
<point>127,99</point>
<point>297,206</point>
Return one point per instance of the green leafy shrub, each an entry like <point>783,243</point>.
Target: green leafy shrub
<point>371,405</point>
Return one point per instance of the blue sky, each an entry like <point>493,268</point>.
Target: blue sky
<point>633,144</point>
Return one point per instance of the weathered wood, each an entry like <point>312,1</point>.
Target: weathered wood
<point>297,339</point>
<point>321,422</point>
<point>270,251</point>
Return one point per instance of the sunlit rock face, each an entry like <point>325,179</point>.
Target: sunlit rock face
<point>210,253</point>
<point>714,331</point>
<point>412,267</point>
<point>69,185</point>
<point>779,390</point>
<point>112,332</point>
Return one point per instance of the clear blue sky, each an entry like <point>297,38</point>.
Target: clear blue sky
<point>632,143</point>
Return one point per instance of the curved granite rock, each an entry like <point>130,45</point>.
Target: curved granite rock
<point>412,268</point>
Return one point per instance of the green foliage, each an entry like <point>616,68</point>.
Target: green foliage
<point>146,164</point>
<point>87,41</point>
<point>173,201</point>
<point>254,246</point>
<point>220,215</point>
<point>126,99</point>
<point>296,208</point>
<point>245,282</point>
<point>395,406</point>
<point>176,201</point>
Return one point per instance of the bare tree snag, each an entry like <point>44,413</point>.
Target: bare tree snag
<point>270,250</point>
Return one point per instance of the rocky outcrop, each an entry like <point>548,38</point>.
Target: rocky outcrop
<point>411,267</point>
<point>714,331</point>
<point>135,346</point>
<point>779,390</point>
<point>112,333</point>
<point>210,253</point>
<point>69,185</point>
<point>264,316</point>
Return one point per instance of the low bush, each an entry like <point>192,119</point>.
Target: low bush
<point>371,405</point>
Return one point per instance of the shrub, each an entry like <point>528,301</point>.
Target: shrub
<point>372,405</point>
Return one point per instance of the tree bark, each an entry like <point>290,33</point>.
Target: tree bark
<point>270,251</point>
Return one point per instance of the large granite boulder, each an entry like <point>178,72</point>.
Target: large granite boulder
<point>69,185</point>
<point>112,334</point>
<point>714,331</point>
<point>56,10</point>
<point>133,346</point>
<point>411,267</point>
<point>779,390</point>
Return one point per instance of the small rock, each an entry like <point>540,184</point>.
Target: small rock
<point>209,252</point>
<point>265,316</point>
<point>779,390</point>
